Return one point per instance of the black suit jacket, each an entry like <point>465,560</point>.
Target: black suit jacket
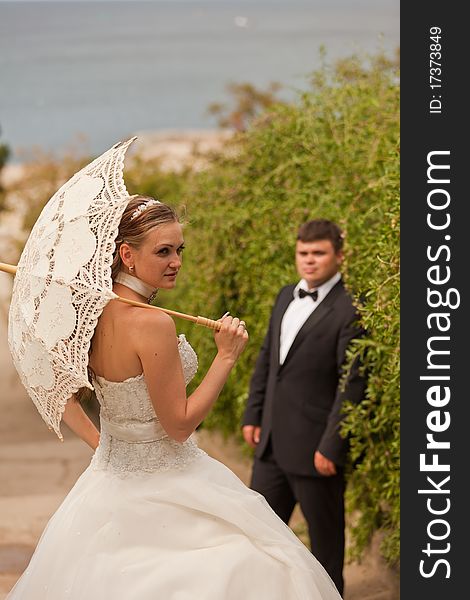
<point>298,404</point>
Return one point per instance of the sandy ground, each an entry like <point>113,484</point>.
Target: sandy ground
<point>173,149</point>
<point>176,149</point>
<point>37,470</point>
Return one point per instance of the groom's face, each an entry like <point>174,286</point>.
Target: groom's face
<point>317,261</point>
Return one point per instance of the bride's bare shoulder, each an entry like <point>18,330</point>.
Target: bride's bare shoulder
<point>139,324</point>
<point>152,323</point>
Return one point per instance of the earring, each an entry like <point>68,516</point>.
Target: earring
<point>131,269</point>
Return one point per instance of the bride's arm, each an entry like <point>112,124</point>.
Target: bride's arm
<point>158,351</point>
<point>76,418</point>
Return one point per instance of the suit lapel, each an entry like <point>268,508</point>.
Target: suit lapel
<point>281,308</point>
<point>318,314</point>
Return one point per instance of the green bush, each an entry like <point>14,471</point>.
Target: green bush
<point>4,156</point>
<point>332,154</point>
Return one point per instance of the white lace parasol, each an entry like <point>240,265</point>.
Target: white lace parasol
<point>63,282</point>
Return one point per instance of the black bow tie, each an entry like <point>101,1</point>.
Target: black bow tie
<point>313,295</point>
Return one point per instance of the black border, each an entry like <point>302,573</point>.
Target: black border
<point>421,133</point>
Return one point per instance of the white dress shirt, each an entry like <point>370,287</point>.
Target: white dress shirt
<point>299,311</point>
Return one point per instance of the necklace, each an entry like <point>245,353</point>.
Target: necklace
<point>136,284</point>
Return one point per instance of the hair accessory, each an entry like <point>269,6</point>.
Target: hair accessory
<point>143,207</point>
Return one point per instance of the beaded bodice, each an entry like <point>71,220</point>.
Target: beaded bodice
<point>132,438</point>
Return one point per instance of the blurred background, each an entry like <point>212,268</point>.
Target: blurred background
<point>251,117</point>
<point>109,69</point>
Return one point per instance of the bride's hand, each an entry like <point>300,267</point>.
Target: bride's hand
<point>232,338</point>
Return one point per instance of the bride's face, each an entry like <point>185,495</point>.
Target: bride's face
<point>159,258</point>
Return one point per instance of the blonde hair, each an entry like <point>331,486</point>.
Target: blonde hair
<point>132,230</point>
<point>134,227</point>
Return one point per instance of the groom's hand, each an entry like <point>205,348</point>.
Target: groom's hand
<point>252,435</point>
<point>324,465</point>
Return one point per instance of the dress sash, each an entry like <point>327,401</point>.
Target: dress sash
<point>134,433</point>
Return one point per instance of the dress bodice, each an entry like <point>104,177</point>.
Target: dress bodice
<point>132,438</point>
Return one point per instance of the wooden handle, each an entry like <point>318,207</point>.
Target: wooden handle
<point>210,323</point>
<point>8,268</point>
<point>216,325</point>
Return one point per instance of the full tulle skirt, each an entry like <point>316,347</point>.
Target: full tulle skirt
<point>196,533</point>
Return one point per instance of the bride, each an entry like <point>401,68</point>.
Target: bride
<point>153,516</point>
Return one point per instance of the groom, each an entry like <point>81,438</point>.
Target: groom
<point>294,406</point>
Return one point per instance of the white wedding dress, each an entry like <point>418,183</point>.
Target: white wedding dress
<point>154,519</point>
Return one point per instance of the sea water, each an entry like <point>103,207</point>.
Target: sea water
<point>106,69</point>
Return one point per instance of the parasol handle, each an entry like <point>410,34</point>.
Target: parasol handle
<point>8,268</point>
<point>210,323</point>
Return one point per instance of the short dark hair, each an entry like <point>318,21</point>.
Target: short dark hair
<point>321,229</point>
